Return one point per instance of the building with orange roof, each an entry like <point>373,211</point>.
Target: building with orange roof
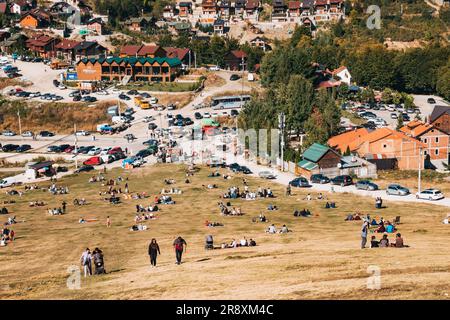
<point>436,141</point>
<point>342,141</point>
<point>385,143</point>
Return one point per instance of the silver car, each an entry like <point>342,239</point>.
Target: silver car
<point>266,175</point>
<point>397,190</point>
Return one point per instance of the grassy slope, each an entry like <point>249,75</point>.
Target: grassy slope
<point>320,259</point>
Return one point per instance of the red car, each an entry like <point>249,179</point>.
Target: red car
<point>69,149</point>
<point>93,161</point>
<point>115,150</point>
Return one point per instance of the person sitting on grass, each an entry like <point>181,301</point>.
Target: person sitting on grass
<point>381,229</point>
<point>272,207</point>
<point>374,243</point>
<point>284,229</point>
<point>374,222</point>
<point>398,242</point>
<point>384,242</point>
<point>251,243</point>
<point>262,218</point>
<point>272,229</point>
<point>244,242</point>
<point>390,228</point>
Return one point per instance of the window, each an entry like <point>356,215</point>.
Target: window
<point>437,139</point>
<point>384,146</point>
<point>425,152</point>
<point>425,140</point>
<point>436,152</point>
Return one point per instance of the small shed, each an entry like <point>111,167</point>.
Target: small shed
<point>318,158</point>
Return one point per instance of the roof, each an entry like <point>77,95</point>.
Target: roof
<point>379,134</point>
<point>315,152</point>
<point>185,4</point>
<point>86,45</point>
<point>252,4</point>
<point>416,128</point>
<point>173,62</point>
<point>3,7</point>
<point>67,44</point>
<point>342,141</point>
<point>219,22</point>
<point>130,50</point>
<point>438,111</point>
<point>95,20</point>
<point>239,54</point>
<point>145,50</point>
<point>336,71</point>
<point>179,53</point>
<point>307,3</point>
<point>294,5</point>
<point>40,165</point>
<point>307,165</point>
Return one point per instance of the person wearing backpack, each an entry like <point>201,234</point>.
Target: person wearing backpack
<point>178,245</point>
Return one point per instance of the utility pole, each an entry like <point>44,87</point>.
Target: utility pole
<point>20,124</point>
<point>76,145</point>
<point>420,170</point>
<point>243,68</point>
<point>281,125</point>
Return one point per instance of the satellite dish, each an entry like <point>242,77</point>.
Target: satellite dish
<point>339,165</point>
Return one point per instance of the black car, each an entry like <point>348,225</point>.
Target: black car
<point>234,167</point>
<point>76,98</point>
<point>244,170</point>
<point>37,60</point>
<point>234,113</point>
<point>343,180</point>
<point>405,117</point>
<point>23,148</point>
<point>300,182</point>
<point>84,169</point>
<point>234,77</point>
<point>124,97</point>
<point>152,126</point>
<point>46,134</point>
<point>198,115</point>
<point>10,147</point>
<point>144,153</point>
<point>133,92</point>
<point>431,101</point>
<point>151,142</point>
<point>187,121</point>
<point>319,178</point>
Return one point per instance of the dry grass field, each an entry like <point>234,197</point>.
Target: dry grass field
<point>320,259</point>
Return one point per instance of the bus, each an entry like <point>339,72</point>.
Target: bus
<point>229,102</point>
<point>141,102</point>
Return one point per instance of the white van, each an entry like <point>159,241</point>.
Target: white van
<point>7,182</point>
<point>118,119</point>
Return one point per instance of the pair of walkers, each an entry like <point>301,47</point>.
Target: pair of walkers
<point>179,245</point>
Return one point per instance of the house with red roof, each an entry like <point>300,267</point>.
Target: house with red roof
<point>236,60</point>
<point>42,46</point>
<point>183,54</point>
<point>65,49</point>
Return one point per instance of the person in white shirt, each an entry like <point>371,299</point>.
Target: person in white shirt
<point>86,262</point>
<point>272,229</point>
<point>243,242</point>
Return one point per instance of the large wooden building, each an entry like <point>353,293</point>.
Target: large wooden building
<point>138,69</point>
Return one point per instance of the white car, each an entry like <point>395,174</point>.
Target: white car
<point>9,133</point>
<point>102,92</point>
<point>105,151</point>
<point>214,68</point>
<point>94,151</point>
<point>62,87</point>
<point>206,115</point>
<point>266,175</point>
<point>27,134</point>
<point>430,194</point>
<point>82,133</point>
<point>153,100</point>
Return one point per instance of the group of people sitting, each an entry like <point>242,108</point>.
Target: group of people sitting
<point>272,229</point>
<point>36,204</point>
<point>4,210</point>
<point>353,216</point>
<point>14,192</point>
<point>242,243</point>
<point>260,218</point>
<point>213,224</point>
<point>6,235</point>
<point>330,205</point>
<point>169,181</point>
<point>150,208</point>
<point>234,193</point>
<point>309,197</point>
<point>138,227</point>
<point>225,211</point>
<point>210,186</point>
<point>271,207</point>
<point>144,216</point>
<point>55,211</point>
<point>302,213</point>
<point>384,242</point>
<point>171,191</point>
<point>98,178</point>
<point>79,202</point>
<point>383,226</point>
<point>11,221</point>
<point>214,174</point>
<point>54,189</point>
<point>164,199</point>
<point>31,187</point>
<point>136,196</point>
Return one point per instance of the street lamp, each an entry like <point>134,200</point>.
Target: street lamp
<point>281,126</point>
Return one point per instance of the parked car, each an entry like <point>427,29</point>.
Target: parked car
<point>198,115</point>
<point>144,153</point>
<point>319,178</point>
<point>366,185</point>
<point>206,115</point>
<point>431,101</point>
<point>82,133</point>
<point>85,168</point>
<point>129,136</point>
<point>343,180</point>
<point>394,116</point>
<point>23,148</point>
<point>10,147</point>
<point>266,175</point>
<point>397,190</point>
<point>8,133</point>
<point>93,161</point>
<point>152,126</point>
<point>94,151</point>
<point>430,194</point>
<point>244,170</point>
<point>46,134</point>
<point>234,113</point>
<point>124,97</point>
<point>27,134</point>
<point>151,142</point>
<point>300,182</point>
<point>234,77</point>
<point>214,68</point>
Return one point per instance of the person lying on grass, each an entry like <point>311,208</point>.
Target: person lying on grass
<point>302,213</point>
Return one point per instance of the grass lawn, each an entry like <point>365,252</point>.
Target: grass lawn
<point>321,258</point>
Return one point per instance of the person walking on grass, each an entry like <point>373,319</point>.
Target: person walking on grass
<point>108,222</point>
<point>179,244</point>
<point>86,262</point>
<point>364,231</point>
<point>153,251</point>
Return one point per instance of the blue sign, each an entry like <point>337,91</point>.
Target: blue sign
<point>72,76</point>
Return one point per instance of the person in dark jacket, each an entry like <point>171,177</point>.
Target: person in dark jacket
<point>98,261</point>
<point>153,251</point>
<point>178,245</point>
